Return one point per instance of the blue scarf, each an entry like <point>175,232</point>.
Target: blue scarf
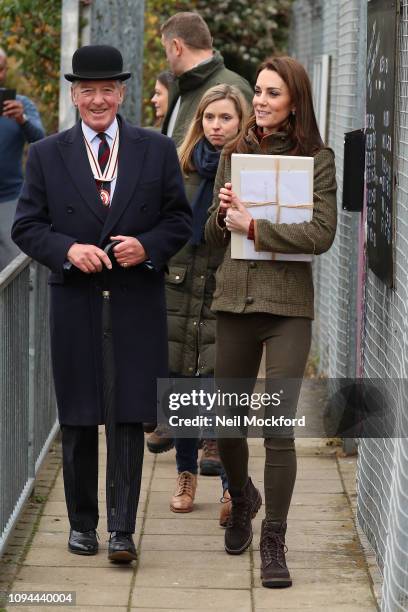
<point>205,160</point>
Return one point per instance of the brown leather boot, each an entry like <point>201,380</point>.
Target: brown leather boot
<point>274,571</point>
<point>225,508</point>
<point>183,498</point>
<point>161,440</point>
<point>210,462</point>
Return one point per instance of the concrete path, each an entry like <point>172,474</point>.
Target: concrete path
<point>182,564</point>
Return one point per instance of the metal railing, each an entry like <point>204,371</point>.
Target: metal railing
<point>28,419</point>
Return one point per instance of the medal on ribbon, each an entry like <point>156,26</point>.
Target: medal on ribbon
<point>110,172</point>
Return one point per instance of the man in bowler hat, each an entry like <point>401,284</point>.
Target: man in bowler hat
<point>102,181</point>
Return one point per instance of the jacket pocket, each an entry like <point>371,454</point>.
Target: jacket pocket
<point>176,275</point>
<point>175,288</point>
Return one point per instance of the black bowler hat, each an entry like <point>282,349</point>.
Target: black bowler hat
<point>97,63</point>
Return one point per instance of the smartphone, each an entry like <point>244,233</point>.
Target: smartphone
<point>6,94</point>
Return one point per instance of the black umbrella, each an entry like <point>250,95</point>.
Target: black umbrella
<point>108,368</point>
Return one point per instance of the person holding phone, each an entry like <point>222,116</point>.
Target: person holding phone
<point>20,123</point>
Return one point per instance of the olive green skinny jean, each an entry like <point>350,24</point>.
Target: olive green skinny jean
<point>240,339</point>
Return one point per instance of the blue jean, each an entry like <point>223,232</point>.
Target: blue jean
<point>187,451</point>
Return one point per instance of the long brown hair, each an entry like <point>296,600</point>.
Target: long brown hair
<point>301,127</point>
<point>196,132</point>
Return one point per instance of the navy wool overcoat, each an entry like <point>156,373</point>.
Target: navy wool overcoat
<point>59,206</point>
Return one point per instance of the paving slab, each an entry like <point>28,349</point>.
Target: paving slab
<point>203,577</point>
<point>314,596</point>
<point>183,598</point>
<point>69,579</point>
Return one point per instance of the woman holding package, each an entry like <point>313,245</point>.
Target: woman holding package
<point>269,302</point>
<point>220,117</point>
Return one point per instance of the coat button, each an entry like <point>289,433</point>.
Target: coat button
<point>252,264</point>
<point>143,208</point>
<point>70,210</point>
<point>249,300</point>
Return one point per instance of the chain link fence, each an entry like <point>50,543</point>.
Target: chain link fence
<point>28,420</point>
<point>380,348</point>
<point>383,464</point>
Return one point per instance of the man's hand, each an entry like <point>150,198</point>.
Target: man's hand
<point>129,252</point>
<point>237,216</point>
<point>88,258</point>
<point>14,109</point>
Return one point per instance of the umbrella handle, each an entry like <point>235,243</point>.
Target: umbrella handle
<point>105,271</point>
<point>108,249</point>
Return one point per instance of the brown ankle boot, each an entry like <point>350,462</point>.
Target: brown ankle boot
<point>225,508</point>
<point>183,498</point>
<point>161,440</point>
<point>238,534</point>
<point>274,571</point>
<point>210,463</point>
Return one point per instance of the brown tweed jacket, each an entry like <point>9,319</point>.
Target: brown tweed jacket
<point>278,287</point>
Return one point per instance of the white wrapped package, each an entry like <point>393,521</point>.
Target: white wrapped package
<point>274,187</point>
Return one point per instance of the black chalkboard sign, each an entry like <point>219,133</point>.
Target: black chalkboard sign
<point>381,49</point>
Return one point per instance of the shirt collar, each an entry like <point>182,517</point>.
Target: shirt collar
<point>90,134</point>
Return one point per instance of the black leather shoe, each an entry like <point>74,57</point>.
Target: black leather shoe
<point>83,542</point>
<point>121,547</point>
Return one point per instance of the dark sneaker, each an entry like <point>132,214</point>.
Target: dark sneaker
<point>121,547</point>
<point>160,440</point>
<point>210,463</point>
<point>274,571</point>
<point>83,542</point>
<point>238,534</point>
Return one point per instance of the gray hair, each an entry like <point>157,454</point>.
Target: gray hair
<point>119,84</point>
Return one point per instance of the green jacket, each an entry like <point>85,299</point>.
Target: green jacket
<point>192,85</point>
<point>190,286</point>
<point>278,287</point>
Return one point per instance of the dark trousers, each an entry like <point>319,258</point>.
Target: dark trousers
<point>239,347</point>
<point>80,469</point>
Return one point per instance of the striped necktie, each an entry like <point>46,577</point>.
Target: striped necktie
<point>103,157</point>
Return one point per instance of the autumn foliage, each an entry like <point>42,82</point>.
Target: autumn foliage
<point>30,34</point>
<point>244,31</point>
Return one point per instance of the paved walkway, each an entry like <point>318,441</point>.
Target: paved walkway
<point>182,564</point>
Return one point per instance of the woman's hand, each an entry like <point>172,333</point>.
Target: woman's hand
<point>228,199</point>
<point>237,216</point>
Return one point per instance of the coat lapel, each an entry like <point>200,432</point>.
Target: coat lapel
<point>132,150</point>
<point>74,156</point>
